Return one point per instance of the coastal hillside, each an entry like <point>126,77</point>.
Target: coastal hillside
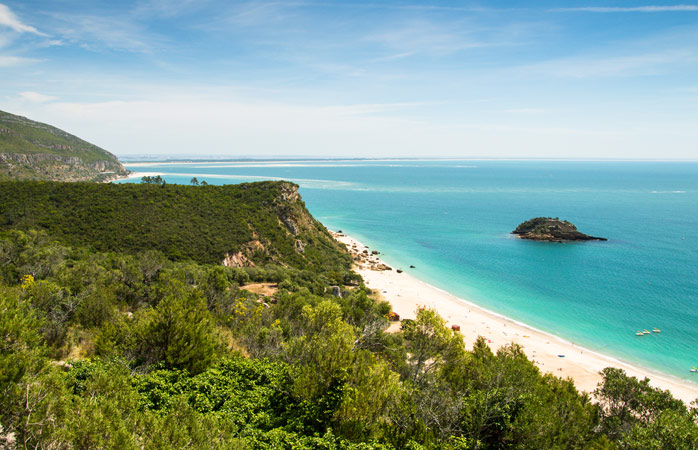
<point>32,150</point>
<point>121,328</point>
<point>237,225</point>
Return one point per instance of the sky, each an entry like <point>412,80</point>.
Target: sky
<point>453,79</point>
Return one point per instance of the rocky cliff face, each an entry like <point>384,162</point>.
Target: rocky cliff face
<point>293,218</point>
<point>296,226</point>
<point>37,151</point>
<point>551,230</point>
<point>43,166</point>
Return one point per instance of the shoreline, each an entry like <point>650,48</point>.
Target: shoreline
<point>406,293</point>
<point>135,175</point>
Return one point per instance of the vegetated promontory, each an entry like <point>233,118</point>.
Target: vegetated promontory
<point>552,230</point>
<point>32,150</point>
<point>238,225</point>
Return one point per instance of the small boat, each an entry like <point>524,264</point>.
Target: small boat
<point>639,333</point>
<point>694,369</point>
<point>646,331</point>
<point>656,330</point>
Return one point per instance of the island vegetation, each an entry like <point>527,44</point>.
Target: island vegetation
<point>32,150</point>
<point>551,230</point>
<point>120,328</point>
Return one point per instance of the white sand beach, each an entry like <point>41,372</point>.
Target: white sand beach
<point>406,293</point>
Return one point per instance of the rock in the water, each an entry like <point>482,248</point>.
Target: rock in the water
<point>551,230</point>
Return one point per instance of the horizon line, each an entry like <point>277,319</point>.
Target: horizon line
<point>214,158</point>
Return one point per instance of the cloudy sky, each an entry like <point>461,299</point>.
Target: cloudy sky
<point>584,79</point>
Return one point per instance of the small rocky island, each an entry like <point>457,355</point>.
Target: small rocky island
<point>551,230</point>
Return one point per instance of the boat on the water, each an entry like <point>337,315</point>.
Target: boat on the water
<point>656,330</point>
<point>694,369</point>
<point>646,331</point>
<point>639,333</point>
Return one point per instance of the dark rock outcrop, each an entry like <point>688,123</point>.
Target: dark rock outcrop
<point>550,229</point>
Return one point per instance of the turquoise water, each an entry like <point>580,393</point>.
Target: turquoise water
<point>452,219</point>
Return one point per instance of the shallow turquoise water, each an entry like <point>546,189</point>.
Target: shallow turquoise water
<point>452,219</point>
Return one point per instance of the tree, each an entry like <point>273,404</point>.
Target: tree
<point>626,401</point>
<point>194,182</point>
<point>671,430</point>
<point>430,344</point>
<point>152,180</point>
<point>32,396</point>
<point>181,333</point>
<point>21,345</point>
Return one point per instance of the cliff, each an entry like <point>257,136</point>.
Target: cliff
<point>32,150</point>
<point>551,230</point>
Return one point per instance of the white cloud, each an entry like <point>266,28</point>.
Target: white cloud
<point>13,61</point>
<point>645,9</point>
<point>255,13</point>
<point>188,125</point>
<point>92,32</point>
<point>426,38</point>
<point>36,97</point>
<point>166,8</point>
<point>525,111</point>
<point>8,19</point>
<point>612,66</point>
<point>393,57</point>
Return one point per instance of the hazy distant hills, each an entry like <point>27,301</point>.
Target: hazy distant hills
<point>32,150</point>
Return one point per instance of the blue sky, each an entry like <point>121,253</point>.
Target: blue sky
<point>585,79</point>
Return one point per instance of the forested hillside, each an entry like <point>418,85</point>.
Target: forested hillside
<point>37,151</point>
<point>114,337</point>
<point>245,224</point>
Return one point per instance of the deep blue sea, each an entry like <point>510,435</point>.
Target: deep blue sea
<point>452,220</point>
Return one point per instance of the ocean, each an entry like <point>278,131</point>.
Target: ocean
<point>452,220</point>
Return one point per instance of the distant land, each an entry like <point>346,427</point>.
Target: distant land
<point>32,150</point>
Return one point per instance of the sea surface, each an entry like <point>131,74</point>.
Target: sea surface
<point>452,220</point>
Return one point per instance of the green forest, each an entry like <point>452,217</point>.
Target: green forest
<point>121,329</point>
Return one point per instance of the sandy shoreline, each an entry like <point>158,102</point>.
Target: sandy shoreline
<point>406,293</point>
<point>135,175</point>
